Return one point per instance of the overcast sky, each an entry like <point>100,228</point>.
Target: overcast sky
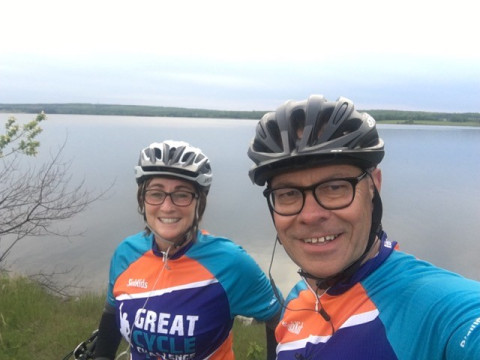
<point>242,55</point>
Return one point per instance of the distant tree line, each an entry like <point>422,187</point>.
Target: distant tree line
<point>406,116</point>
<point>127,110</point>
<point>138,110</point>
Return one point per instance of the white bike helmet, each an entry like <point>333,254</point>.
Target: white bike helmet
<point>174,158</point>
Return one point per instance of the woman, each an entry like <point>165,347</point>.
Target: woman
<point>174,291</point>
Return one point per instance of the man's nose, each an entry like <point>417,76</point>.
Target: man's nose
<point>312,211</point>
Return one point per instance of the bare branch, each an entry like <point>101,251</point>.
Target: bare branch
<point>49,282</point>
<point>33,200</point>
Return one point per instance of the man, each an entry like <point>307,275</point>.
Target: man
<point>359,297</point>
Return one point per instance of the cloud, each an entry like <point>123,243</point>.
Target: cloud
<point>244,55</point>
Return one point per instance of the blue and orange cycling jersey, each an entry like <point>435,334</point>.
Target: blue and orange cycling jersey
<point>394,307</point>
<point>183,308</point>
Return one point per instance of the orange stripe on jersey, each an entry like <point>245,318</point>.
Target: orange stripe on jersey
<point>147,274</point>
<point>301,320</point>
<point>225,351</point>
<point>343,307</point>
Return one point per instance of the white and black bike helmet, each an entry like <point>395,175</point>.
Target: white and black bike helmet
<point>174,158</point>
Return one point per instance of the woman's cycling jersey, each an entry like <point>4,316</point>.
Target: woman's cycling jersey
<point>183,307</point>
<point>394,307</point>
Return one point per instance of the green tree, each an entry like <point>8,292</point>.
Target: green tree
<point>21,138</point>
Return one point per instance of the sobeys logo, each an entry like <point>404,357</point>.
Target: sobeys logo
<point>139,283</point>
<point>293,326</point>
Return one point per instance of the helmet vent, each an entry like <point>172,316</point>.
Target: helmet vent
<point>158,153</point>
<point>186,157</point>
<point>348,127</point>
<point>206,169</point>
<point>318,130</point>
<point>261,131</point>
<point>320,126</point>
<point>260,147</point>
<point>274,131</point>
<point>298,123</point>
<point>340,115</point>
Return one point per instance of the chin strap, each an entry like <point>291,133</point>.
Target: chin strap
<point>324,283</point>
<point>177,242</point>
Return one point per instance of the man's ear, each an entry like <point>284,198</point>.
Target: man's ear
<point>278,239</point>
<point>377,178</point>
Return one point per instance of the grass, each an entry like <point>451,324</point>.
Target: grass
<point>37,325</point>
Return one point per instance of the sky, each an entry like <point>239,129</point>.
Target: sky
<point>242,55</point>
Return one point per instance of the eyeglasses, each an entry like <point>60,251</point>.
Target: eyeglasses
<point>179,198</point>
<point>331,195</point>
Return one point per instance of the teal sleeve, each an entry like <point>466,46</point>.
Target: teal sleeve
<point>428,312</point>
<point>247,288</point>
<point>464,335</point>
<point>251,293</point>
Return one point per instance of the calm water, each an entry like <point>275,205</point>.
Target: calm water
<point>430,192</point>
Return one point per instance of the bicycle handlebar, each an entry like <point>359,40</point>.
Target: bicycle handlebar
<point>84,350</point>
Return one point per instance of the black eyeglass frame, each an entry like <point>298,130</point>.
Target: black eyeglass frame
<point>352,180</point>
<point>169,194</point>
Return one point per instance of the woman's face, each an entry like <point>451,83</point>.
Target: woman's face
<point>167,220</point>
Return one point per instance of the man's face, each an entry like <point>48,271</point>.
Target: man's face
<point>324,242</point>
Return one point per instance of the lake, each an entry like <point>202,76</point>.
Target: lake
<point>430,192</point>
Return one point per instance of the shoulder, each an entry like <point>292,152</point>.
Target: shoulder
<point>423,296</point>
<point>420,284</point>
<point>138,243</point>
<point>129,250</point>
<point>296,292</point>
<point>209,245</point>
<point>223,257</point>
<point>418,271</point>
